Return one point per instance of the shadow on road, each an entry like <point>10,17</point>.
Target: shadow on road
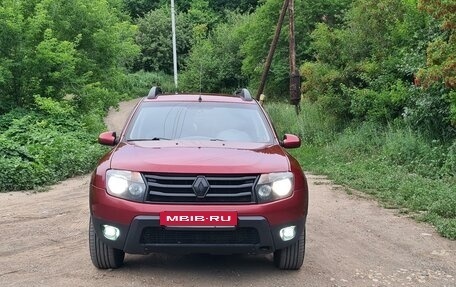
<point>199,262</point>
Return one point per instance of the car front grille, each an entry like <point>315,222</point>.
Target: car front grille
<point>179,188</point>
<point>159,235</point>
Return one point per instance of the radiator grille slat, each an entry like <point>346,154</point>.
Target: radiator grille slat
<point>174,188</point>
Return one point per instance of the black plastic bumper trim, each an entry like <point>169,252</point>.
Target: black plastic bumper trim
<point>130,237</point>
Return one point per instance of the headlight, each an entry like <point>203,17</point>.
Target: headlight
<point>125,184</point>
<point>274,186</point>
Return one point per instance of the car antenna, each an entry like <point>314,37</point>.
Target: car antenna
<point>200,99</point>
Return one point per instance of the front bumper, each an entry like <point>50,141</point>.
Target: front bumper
<point>253,235</point>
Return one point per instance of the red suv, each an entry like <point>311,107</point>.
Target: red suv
<point>198,173</point>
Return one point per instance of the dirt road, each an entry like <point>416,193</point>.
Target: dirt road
<point>351,241</point>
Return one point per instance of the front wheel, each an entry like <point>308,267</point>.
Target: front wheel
<point>103,256</point>
<point>291,257</point>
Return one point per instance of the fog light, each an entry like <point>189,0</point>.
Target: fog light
<point>288,233</point>
<point>111,232</point>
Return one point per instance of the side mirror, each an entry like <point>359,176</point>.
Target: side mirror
<point>107,138</point>
<point>291,141</point>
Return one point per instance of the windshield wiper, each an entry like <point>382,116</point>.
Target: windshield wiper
<point>151,139</point>
<point>217,140</point>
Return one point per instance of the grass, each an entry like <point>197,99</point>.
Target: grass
<point>393,164</point>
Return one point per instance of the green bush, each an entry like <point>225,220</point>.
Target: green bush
<point>46,145</point>
<point>380,106</point>
<point>429,112</point>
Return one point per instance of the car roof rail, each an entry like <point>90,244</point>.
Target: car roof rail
<point>244,94</point>
<point>154,92</point>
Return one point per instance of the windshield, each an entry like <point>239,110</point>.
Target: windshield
<point>199,121</point>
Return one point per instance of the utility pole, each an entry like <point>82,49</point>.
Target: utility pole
<point>272,49</point>
<point>173,24</point>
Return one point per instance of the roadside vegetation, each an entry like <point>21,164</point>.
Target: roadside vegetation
<point>378,85</point>
<point>378,111</point>
<point>392,163</point>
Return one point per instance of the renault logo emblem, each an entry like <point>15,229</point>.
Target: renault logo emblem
<point>200,186</point>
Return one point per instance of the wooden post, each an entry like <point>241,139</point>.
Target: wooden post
<point>295,80</point>
<point>272,49</point>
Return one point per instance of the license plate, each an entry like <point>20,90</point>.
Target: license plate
<point>199,219</point>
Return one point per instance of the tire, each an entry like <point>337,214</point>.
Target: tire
<point>103,256</point>
<point>292,257</point>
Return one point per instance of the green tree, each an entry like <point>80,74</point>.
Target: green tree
<point>260,31</point>
<point>441,63</point>
<point>54,47</point>
<point>215,62</point>
<point>155,39</point>
<point>52,69</point>
<point>233,5</point>
<point>139,8</point>
<point>202,18</point>
<point>366,68</point>
<point>371,60</point>
<point>11,53</point>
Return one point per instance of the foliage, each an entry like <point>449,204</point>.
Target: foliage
<point>193,23</point>
<point>233,5</point>
<point>62,65</point>
<point>215,63</point>
<point>323,85</point>
<point>392,163</point>
<point>155,39</point>
<point>202,16</point>
<point>138,84</point>
<point>52,48</point>
<point>379,109</point>
<point>313,125</point>
<point>260,30</point>
<point>370,25</point>
<point>428,111</point>
<point>382,106</point>
<point>139,8</point>
<point>45,145</point>
<point>441,63</point>
<point>372,74</point>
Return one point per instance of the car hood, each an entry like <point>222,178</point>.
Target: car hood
<point>199,157</point>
